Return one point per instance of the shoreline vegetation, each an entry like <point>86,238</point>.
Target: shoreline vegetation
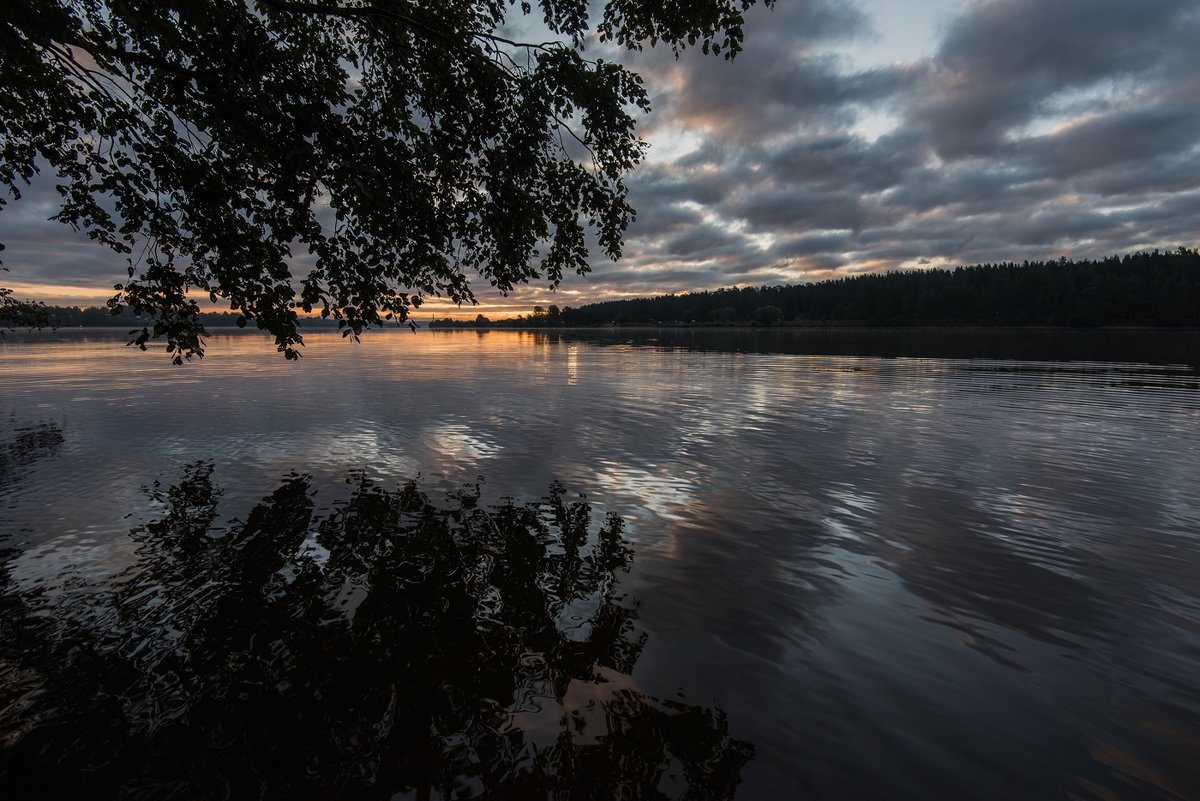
<point>1153,289</point>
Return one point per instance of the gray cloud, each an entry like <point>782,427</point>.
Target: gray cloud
<point>39,251</point>
<point>798,208</point>
<point>1140,138</point>
<point>1003,61</point>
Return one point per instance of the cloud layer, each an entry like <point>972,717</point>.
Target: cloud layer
<point>1034,129</point>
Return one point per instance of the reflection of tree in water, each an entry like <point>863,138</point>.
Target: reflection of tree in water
<point>26,445</point>
<point>432,652</point>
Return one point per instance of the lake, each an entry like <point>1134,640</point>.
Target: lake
<point>751,564</point>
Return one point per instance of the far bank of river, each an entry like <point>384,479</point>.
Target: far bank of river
<point>1157,346</point>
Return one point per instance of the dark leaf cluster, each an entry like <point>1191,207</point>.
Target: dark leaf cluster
<point>17,313</point>
<point>406,147</point>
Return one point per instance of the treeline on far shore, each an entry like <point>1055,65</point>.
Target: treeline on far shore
<point>1141,289</point>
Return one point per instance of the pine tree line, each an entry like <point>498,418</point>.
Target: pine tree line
<point>1155,288</point>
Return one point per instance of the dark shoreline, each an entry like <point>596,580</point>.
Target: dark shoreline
<point>1179,347</point>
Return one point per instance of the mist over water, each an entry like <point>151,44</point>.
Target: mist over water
<point>961,565</point>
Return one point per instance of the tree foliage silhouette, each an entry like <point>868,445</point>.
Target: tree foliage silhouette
<point>406,146</point>
<point>17,313</point>
<point>451,650</point>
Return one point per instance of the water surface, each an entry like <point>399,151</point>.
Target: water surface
<point>960,568</point>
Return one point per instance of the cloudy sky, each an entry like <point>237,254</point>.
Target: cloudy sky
<point>863,136</point>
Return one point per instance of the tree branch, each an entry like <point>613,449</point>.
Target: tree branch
<point>353,14</point>
<point>359,13</point>
<point>130,57</point>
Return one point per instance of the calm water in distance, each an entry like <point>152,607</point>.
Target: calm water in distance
<point>904,566</point>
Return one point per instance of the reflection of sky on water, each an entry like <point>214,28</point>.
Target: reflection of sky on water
<point>456,444</point>
<point>884,552</point>
<point>89,557</point>
<point>669,497</point>
<point>572,365</point>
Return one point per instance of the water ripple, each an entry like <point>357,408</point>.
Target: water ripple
<point>901,577</point>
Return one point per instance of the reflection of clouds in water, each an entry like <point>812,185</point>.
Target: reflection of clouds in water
<point>854,501</point>
<point>325,449</point>
<point>668,497</point>
<point>572,365</point>
<point>852,514</point>
<point>82,558</point>
<point>462,443</point>
<point>381,455</point>
<point>378,453</point>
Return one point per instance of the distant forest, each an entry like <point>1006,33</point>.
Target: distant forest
<point>1146,289</point>
<point>1142,289</point>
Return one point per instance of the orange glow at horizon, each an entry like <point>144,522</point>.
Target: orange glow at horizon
<point>60,294</point>
<point>490,305</point>
<point>498,308</point>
